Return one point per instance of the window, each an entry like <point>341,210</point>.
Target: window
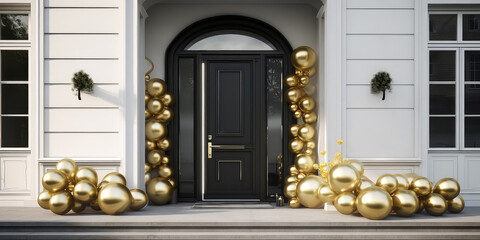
<point>234,41</point>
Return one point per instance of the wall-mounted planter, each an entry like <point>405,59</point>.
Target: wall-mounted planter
<point>82,83</point>
<point>380,83</point>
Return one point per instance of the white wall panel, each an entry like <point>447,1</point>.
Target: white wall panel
<point>360,96</point>
<point>397,21</point>
<point>82,3</point>
<point>82,46</point>
<point>380,3</point>
<point>89,145</point>
<point>362,71</point>
<point>81,20</point>
<point>380,47</point>
<point>63,96</point>
<point>443,166</point>
<point>472,176</point>
<point>75,120</point>
<point>373,172</point>
<point>14,174</point>
<point>101,71</point>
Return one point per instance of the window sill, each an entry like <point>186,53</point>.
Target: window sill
<point>454,151</point>
<point>15,150</point>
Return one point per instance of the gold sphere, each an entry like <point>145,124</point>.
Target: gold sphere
<point>345,203</point>
<point>311,144</point>
<point>303,58</point>
<point>306,132</point>
<point>296,145</point>
<point>308,151</point>
<point>156,87</point>
<point>165,159</point>
<point>164,144</point>
<point>374,203</point>
<point>448,188</point>
<point>159,190</point>
<point>172,182</point>
<point>388,182</point>
<point>290,190</point>
<point>435,204</point>
<point>147,98</point>
<point>54,180</point>
<point>293,107</point>
<point>294,203</point>
<point>61,202</point>
<point>357,165</point>
<point>148,167</point>
<point>364,184</point>
<point>115,177</point>
<point>165,171</point>
<point>304,163</point>
<point>101,185</point>
<point>307,104</point>
<point>292,95</point>
<point>294,130</point>
<point>421,186</point>
<point>306,191</point>
<point>150,145</point>
<point>78,206</point>
<point>155,130</point>
<point>139,199</point>
<point>155,106</point>
<point>343,177</point>
<point>148,176</point>
<point>410,177</point>
<point>94,205</point>
<point>310,72</point>
<point>293,170</point>
<point>309,117</point>
<point>299,72</point>
<point>165,116</point>
<point>68,167</point>
<point>147,114</point>
<point>290,179</point>
<point>405,202</point>
<point>325,193</point>
<point>85,191</point>
<point>87,173</point>
<point>167,99</point>
<point>402,181</point>
<point>291,80</point>
<point>43,199</point>
<point>301,176</point>
<point>456,205</point>
<point>304,80</point>
<point>298,113</point>
<point>154,157</point>
<point>114,198</point>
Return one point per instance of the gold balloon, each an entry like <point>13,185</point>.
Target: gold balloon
<point>299,72</point>
<point>402,181</point>
<point>148,176</point>
<point>308,151</point>
<point>115,177</point>
<point>310,72</point>
<point>303,58</point>
<point>165,159</point>
<point>306,191</point>
<point>167,99</point>
<point>78,206</point>
<point>304,80</point>
<point>456,205</point>
<point>304,163</point>
<point>293,170</point>
<point>155,130</point>
<point>345,203</point>
<point>388,182</point>
<point>87,173</point>
<point>435,204</point>
<point>68,167</point>
<point>154,157</point>
<point>410,177</point>
<point>54,180</point>
<point>306,132</point>
<point>114,198</point>
<point>294,130</point>
<point>101,185</point>
<point>85,191</point>
<point>156,87</point>
<point>296,145</point>
<point>44,199</point>
<point>290,179</point>
<point>294,203</point>
<point>165,116</point>
<point>147,114</point>
<point>165,171</point>
<point>421,186</point>
<point>155,106</point>
<point>291,80</point>
<point>290,190</point>
<point>159,190</point>
<point>357,165</point>
<point>448,188</point>
<point>405,202</point>
<point>343,177</point>
<point>61,202</point>
<point>164,144</point>
<point>294,94</point>
<point>301,176</point>
<point>374,203</point>
<point>307,104</point>
<point>148,167</point>
<point>298,113</point>
<point>364,184</point>
<point>94,205</point>
<point>311,144</point>
<point>309,117</point>
<point>70,187</point>
<point>172,182</point>
<point>293,107</point>
<point>150,145</point>
<point>139,199</point>
<point>325,193</point>
<point>147,98</point>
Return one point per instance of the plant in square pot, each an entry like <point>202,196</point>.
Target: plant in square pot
<point>380,83</point>
<point>82,83</point>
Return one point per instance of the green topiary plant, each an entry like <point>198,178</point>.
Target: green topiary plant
<point>381,82</point>
<point>82,83</point>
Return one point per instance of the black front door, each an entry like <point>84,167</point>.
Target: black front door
<point>234,126</point>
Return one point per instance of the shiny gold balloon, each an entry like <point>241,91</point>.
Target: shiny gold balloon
<point>114,198</point>
<point>307,104</point>
<point>101,185</point>
<point>293,170</point>
<point>293,107</point>
<point>294,203</point>
<point>290,179</point>
<point>405,202</point>
<point>304,80</point>
<point>172,182</point>
<point>357,165</point>
<point>54,180</point>
<point>150,145</point>
<point>309,117</point>
<point>296,145</point>
<point>306,132</point>
<point>148,176</point>
<point>421,186</point>
<point>156,87</point>
<point>139,199</point>
<point>87,173</point>
<point>167,99</point>
<point>325,193</point>
<point>78,206</point>
<point>343,177</point>
<point>299,72</point>
<point>306,191</point>
<point>159,190</point>
<point>148,115</point>
<point>294,94</point>
<point>155,130</point>
<point>364,184</point>
<point>303,58</point>
<point>388,182</point>
<point>294,130</point>
<point>43,199</point>
<point>345,203</point>
<point>155,106</point>
<point>165,159</point>
<point>311,144</point>
<point>402,181</point>
<point>165,116</point>
<point>147,98</point>
<point>290,190</point>
<point>448,188</point>
<point>304,163</point>
<point>435,204</point>
<point>374,203</point>
<point>164,144</point>
<point>148,167</point>
<point>410,177</point>
<point>85,191</point>
<point>68,167</point>
<point>61,202</point>
<point>165,171</point>
<point>94,205</point>
<point>456,205</point>
<point>115,177</point>
<point>70,187</point>
<point>154,157</point>
<point>300,176</point>
<point>308,151</point>
<point>298,113</point>
<point>291,80</point>
<point>310,72</point>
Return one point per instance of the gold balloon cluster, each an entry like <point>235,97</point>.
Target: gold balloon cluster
<point>68,187</point>
<point>157,115</point>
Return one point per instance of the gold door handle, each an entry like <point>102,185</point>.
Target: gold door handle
<point>227,147</point>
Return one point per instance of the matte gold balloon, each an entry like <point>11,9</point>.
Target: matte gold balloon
<point>294,94</point>
<point>164,144</point>
<point>159,190</point>
<point>307,104</point>
<point>325,193</point>
<point>68,167</point>
<point>78,206</point>
<point>165,159</point>
<point>357,165</point>
<point>309,117</point>
<point>304,163</point>
<point>290,179</point>
<point>294,130</point>
<point>435,204</point>
<point>165,116</point>
<point>374,203</point>
<point>155,130</point>
<point>296,145</point>
<point>54,180</point>
<point>294,203</point>
<point>303,58</point>
<point>147,98</point>
<point>306,132</point>
<point>85,191</point>
<point>43,199</point>
<point>291,80</point>
<point>148,176</point>
<point>165,171</point>
<point>167,99</point>
<point>402,181</point>
<point>148,115</point>
<point>156,87</point>
<point>405,202</point>
<point>298,113</point>
<point>293,170</point>
<point>306,191</point>
<point>421,186</point>
<point>139,199</point>
<point>94,205</point>
<point>114,198</point>
<point>410,177</point>
<point>345,203</point>
<point>87,173</point>
<point>293,107</point>
<point>448,188</point>
<point>364,184</point>
<point>388,182</point>
<point>61,202</point>
<point>115,177</point>
<point>304,80</point>
<point>290,190</point>
<point>155,106</point>
<point>343,177</point>
<point>456,205</point>
<point>150,145</point>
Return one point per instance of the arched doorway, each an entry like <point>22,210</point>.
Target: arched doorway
<point>231,122</point>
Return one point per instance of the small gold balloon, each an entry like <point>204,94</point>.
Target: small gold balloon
<point>308,151</point>
<point>167,99</point>
<point>325,193</point>
<point>165,159</point>
<point>299,72</point>
<point>290,179</point>
<point>296,145</point>
<point>147,98</point>
<point>309,117</point>
<point>374,203</point>
<point>311,144</point>
<point>44,199</point>
<point>155,106</point>
<point>85,191</point>
<point>154,157</point>
<point>294,130</point>
<point>402,181</point>
<point>456,205</point>
<point>54,180</point>
<point>293,107</point>
<point>156,87</point>
<point>435,204</point>
<point>306,132</point>
<point>388,182</point>
<point>148,115</point>
<point>410,177</point>
<point>94,205</point>
<point>114,198</point>
<point>148,176</point>
<point>405,202</point>
<point>306,191</point>
<point>139,199</point>
<point>155,130</point>
<point>304,80</point>
<point>61,202</point>
<point>87,173</point>
<point>343,177</point>
<point>298,113</point>
<point>294,203</point>
<point>291,80</point>
<point>293,170</point>
<point>68,167</point>
<point>303,58</point>
<point>290,190</point>
<point>448,188</point>
<point>165,171</point>
<point>345,203</point>
<point>304,163</point>
<point>159,190</point>
<point>421,186</point>
<point>357,165</point>
<point>310,72</point>
<point>150,145</point>
<point>148,167</point>
<point>301,176</point>
<point>164,144</point>
<point>78,206</point>
<point>307,104</point>
<point>364,184</point>
<point>165,116</point>
<point>294,94</point>
<point>115,177</point>
<point>172,182</point>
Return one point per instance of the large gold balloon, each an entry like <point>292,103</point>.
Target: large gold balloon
<point>156,87</point>
<point>139,199</point>
<point>54,180</point>
<point>87,173</point>
<point>159,190</point>
<point>303,58</point>
<point>150,145</point>
<point>164,144</point>
<point>364,184</point>
<point>294,94</point>
<point>421,186</point>
<point>306,191</point>
<point>448,188</point>
<point>44,199</point>
<point>296,145</point>
<point>294,130</point>
<point>294,203</point>
<point>325,193</point>
<point>78,206</point>
<point>155,130</point>
<point>410,177</point>
<point>165,116</point>
<point>402,181</point>
<point>165,171</point>
<point>115,177</point>
<point>290,190</point>
<point>357,165</point>
<point>68,167</point>
<point>345,203</point>
<point>114,198</point>
<point>307,104</point>
<point>304,163</point>
<point>85,191</point>
<point>456,205</point>
<point>405,202</point>
<point>388,182</point>
<point>167,99</point>
<point>309,117</point>
<point>435,204</point>
<point>343,177</point>
<point>374,203</point>
<point>291,80</point>
<point>306,132</point>
<point>61,202</point>
<point>155,106</point>
<point>154,157</point>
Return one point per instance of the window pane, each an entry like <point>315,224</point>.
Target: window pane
<point>442,132</point>
<point>14,99</point>
<point>471,27</point>
<point>442,99</point>
<point>472,99</point>
<point>14,65</point>
<point>443,27</point>
<point>442,66</point>
<point>14,131</point>
<point>472,65</point>
<point>14,27</point>
<point>472,132</point>
<point>230,42</point>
